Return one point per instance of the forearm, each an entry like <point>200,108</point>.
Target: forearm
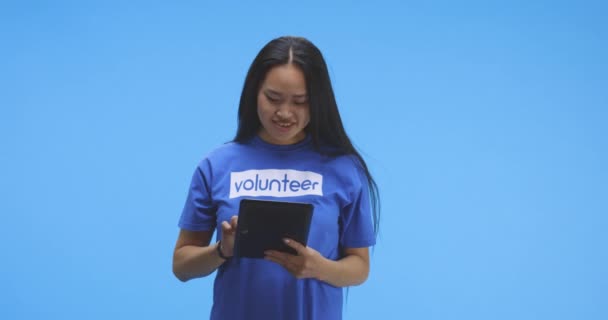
<point>191,262</point>
<point>349,271</point>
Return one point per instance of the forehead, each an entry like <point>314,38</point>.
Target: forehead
<point>286,78</point>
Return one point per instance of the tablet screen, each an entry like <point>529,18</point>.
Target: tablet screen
<point>263,224</point>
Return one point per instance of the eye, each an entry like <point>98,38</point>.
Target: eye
<point>272,98</point>
<point>300,102</point>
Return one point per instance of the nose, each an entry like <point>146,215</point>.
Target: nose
<point>284,111</point>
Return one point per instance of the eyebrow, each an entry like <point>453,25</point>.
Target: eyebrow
<point>276,93</point>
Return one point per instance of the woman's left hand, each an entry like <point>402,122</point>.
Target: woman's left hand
<point>306,264</point>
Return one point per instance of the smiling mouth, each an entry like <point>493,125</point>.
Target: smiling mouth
<point>284,124</point>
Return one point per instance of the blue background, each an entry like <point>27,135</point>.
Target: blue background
<point>484,122</point>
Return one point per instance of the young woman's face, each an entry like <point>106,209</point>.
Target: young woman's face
<point>283,105</point>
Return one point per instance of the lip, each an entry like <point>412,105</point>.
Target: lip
<point>283,129</point>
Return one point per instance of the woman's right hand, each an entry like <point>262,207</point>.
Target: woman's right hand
<point>228,235</point>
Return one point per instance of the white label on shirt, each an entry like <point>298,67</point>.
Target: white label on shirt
<point>275,183</point>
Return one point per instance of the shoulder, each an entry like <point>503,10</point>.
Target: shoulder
<point>222,155</point>
<point>226,151</point>
<point>346,168</point>
<point>346,162</point>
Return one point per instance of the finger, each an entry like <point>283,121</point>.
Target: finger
<point>287,266</point>
<point>234,221</point>
<point>287,260</point>
<point>274,259</point>
<point>226,227</point>
<point>300,249</point>
<point>276,255</point>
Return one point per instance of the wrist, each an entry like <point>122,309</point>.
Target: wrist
<point>220,252</point>
<point>323,267</point>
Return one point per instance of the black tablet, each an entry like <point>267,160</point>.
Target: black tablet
<point>263,224</point>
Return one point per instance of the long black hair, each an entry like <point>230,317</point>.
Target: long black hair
<point>325,126</point>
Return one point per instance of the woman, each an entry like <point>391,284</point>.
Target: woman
<point>290,129</point>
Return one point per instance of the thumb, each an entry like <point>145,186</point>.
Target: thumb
<point>295,245</point>
<point>226,227</point>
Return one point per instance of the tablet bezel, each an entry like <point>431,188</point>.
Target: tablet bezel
<point>263,224</point>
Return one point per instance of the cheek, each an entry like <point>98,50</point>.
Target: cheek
<point>261,104</point>
<point>306,116</point>
<point>264,113</point>
<point>262,109</point>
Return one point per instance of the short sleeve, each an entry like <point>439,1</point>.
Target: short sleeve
<point>357,228</point>
<point>199,213</point>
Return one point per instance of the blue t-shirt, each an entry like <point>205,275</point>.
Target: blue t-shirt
<point>336,186</point>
